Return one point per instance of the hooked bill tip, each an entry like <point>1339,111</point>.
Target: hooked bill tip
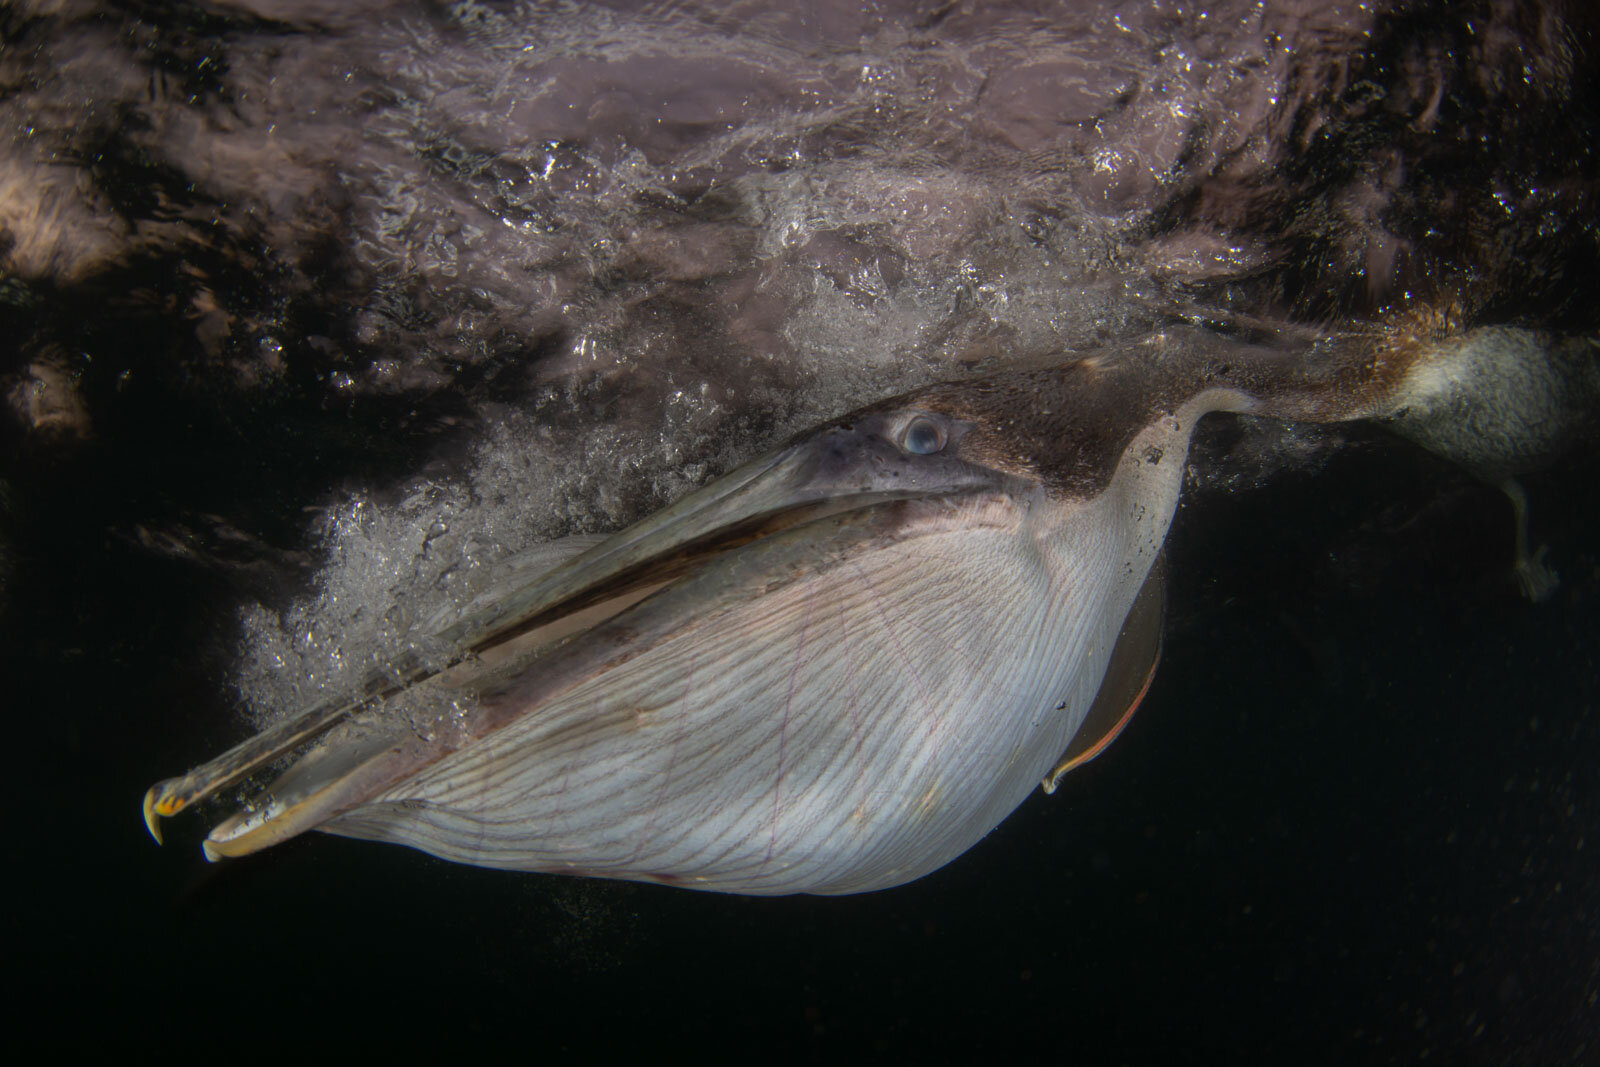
<point>152,818</point>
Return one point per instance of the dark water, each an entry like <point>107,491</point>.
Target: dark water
<point>1357,819</point>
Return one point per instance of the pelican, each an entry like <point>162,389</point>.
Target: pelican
<point>838,667</point>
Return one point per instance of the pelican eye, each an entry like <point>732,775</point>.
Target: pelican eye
<point>922,436</point>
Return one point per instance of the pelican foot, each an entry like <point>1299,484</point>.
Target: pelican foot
<point>1537,579</point>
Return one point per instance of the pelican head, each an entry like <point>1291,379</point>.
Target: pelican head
<point>832,670</point>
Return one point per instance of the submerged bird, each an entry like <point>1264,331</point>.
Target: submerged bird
<point>837,668</point>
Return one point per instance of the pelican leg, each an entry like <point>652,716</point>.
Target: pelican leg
<point>1537,579</point>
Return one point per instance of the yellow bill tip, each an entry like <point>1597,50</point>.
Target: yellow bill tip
<point>152,812</point>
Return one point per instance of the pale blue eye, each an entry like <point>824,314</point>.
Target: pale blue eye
<point>923,436</point>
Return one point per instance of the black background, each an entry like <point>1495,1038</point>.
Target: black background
<point>1355,820</point>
